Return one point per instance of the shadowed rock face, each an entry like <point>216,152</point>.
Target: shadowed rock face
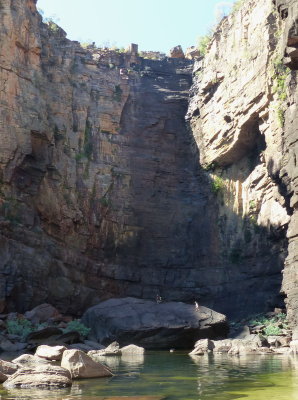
<point>101,191</point>
<point>153,325</point>
<point>101,194</point>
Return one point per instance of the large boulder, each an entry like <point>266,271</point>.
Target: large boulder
<point>132,350</point>
<point>50,352</point>
<point>202,346</point>
<point>222,346</point>
<point>153,325</point>
<point>177,52</point>
<point>112,350</point>
<point>82,366</point>
<point>43,313</point>
<point>49,334</point>
<point>192,53</point>
<point>45,376</point>
<point>250,345</point>
<point>29,361</point>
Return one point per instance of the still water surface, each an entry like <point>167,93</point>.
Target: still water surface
<point>176,375</point>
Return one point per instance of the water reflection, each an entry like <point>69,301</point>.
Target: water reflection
<point>129,361</point>
<point>36,394</point>
<point>178,376</point>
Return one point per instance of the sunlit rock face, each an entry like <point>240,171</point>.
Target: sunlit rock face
<point>102,193</point>
<point>243,122</point>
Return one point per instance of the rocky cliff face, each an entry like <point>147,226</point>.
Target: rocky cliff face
<point>242,114</point>
<point>102,193</point>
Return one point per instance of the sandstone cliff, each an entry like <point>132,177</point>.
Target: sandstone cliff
<point>102,190</point>
<point>243,115</point>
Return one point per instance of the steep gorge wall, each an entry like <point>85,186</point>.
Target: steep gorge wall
<point>243,115</point>
<point>99,193</point>
<point>102,193</point>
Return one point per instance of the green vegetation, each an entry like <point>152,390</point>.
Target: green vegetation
<point>88,145</point>
<point>272,325</point>
<point>211,166</point>
<point>86,44</point>
<point>280,75</point>
<point>203,42</point>
<point>217,184</point>
<point>237,5</point>
<point>280,114</point>
<point>87,150</point>
<point>236,255</point>
<point>104,202</point>
<point>80,156</point>
<point>21,327</point>
<point>272,330</point>
<point>252,204</point>
<point>77,326</point>
<point>117,93</point>
<point>53,27</point>
<point>10,210</point>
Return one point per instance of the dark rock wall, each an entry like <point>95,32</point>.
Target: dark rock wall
<point>101,194</point>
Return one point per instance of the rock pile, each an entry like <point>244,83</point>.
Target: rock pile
<point>38,370</point>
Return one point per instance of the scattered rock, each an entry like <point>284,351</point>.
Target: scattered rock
<point>43,313</point>
<point>9,346</point>
<point>112,350</point>
<point>81,346</point>
<point>2,325</point>
<point>153,325</point>
<point>273,341</point>
<point>49,334</point>
<point>222,346</point>
<point>7,368</point>
<point>132,349</point>
<point>294,346</point>
<point>282,350</point>
<point>242,333</point>
<point>46,376</point>
<point>284,341</point>
<point>28,360</point>
<point>202,346</point>
<point>249,345</point>
<point>3,377</point>
<point>295,333</point>
<point>94,345</point>
<point>192,53</point>
<point>80,365</point>
<point>252,344</point>
<point>177,52</point>
<point>50,352</point>
<point>69,337</point>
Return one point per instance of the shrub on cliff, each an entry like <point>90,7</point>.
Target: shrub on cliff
<point>203,42</point>
<point>77,326</point>
<point>21,327</point>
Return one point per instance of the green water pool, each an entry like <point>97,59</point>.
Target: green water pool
<point>178,376</point>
